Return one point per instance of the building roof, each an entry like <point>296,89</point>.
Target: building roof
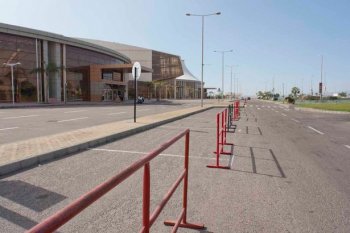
<point>38,34</point>
<point>187,76</point>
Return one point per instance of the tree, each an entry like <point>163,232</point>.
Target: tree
<point>260,94</point>
<point>295,92</point>
<point>268,95</point>
<point>342,94</point>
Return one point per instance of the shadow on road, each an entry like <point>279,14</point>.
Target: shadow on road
<point>28,195</point>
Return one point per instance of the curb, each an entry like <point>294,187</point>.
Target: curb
<point>20,165</point>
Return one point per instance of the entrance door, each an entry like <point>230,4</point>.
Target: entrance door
<point>107,95</point>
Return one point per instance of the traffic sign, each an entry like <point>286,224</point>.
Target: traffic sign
<point>136,70</point>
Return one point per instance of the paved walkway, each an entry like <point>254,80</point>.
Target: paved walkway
<point>28,153</point>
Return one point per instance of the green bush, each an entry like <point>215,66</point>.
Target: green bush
<point>290,100</point>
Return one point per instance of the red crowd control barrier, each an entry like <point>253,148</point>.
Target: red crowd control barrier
<point>236,111</point>
<point>61,217</point>
<point>221,136</point>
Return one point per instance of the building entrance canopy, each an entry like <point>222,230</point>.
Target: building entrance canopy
<point>121,67</point>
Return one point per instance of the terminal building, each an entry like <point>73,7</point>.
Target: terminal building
<point>51,68</point>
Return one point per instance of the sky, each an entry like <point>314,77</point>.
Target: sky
<point>274,42</point>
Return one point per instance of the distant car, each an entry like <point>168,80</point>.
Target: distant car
<point>248,98</point>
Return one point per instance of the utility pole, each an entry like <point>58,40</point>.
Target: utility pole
<point>312,91</point>
<point>283,90</point>
<point>302,86</point>
<point>202,72</point>
<point>321,84</point>
<point>231,66</point>
<point>223,65</point>
<point>273,88</point>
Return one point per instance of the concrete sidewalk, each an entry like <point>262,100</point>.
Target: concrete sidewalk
<point>28,153</point>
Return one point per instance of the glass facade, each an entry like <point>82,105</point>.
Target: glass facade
<point>15,49</point>
<point>188,89</point>
<point>78,61</point>
<point>165,66</point>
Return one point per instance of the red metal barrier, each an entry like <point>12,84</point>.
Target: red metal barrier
<point>236,111</point>
<point>61,217</point>
<point>221,136</point>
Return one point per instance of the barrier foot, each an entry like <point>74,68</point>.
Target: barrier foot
<point>226,153</point>
<point>221,167</point>
<point>184,225</point>
<point>223,153</point>
<point>226,143</point>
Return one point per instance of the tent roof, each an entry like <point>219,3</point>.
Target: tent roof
<point>188,76</point>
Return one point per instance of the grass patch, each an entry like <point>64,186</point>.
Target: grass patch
<point>344,107</point>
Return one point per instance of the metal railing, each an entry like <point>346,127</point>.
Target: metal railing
<point>55,221</point>
<point>221,137</point>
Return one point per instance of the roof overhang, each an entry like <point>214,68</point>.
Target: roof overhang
<point>125,67</point>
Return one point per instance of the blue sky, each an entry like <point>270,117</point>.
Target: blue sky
<point>281,40</point>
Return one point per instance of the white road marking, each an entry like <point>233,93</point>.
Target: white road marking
<point>347,146</point>
<point>8,128</point>
<point>75,119</point>
<point>239,130</point>
<point>142,110</point>
<point>286,109</point>
<point>269,106</point>
<point>283,114</point>
<point>277,111</point>
<point>116,113</point>
<point>16,117</point>
<point>145,153</point>
<point>76,111</point>
<point>232,157</point>
<point>317,131</point>
<point>258,108</point>
<point>295,120</point>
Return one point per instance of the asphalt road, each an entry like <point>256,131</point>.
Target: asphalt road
<point>24,123</point>
<point>289,173</point>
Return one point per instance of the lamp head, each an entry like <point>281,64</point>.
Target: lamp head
<point>218,13</point>
<point>188,14</point>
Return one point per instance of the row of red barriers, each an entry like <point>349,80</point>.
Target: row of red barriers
<point>223,125</point>
<point>236,110</point>
<point>63,216</point>
<point>55,221</point>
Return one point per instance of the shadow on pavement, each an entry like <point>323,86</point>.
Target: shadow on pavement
<point>16,218</point>
<point>260,162</point>
<point>28,195</point>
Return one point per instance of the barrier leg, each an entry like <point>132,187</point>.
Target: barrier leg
<point>182,220</point>
<point>219,140</point>
<point>146,198</point>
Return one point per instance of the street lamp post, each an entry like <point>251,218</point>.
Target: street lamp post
<point>223,64</point>
<point>12,79</point>
<point>231,79</point>
<point>188,14</point>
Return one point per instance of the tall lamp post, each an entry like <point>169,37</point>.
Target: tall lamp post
<point>12,81</point>
<point>223,64</point>
<point>231,79</point>
<point>188,14</point>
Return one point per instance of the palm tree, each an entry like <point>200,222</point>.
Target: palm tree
<point>49,68</point>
